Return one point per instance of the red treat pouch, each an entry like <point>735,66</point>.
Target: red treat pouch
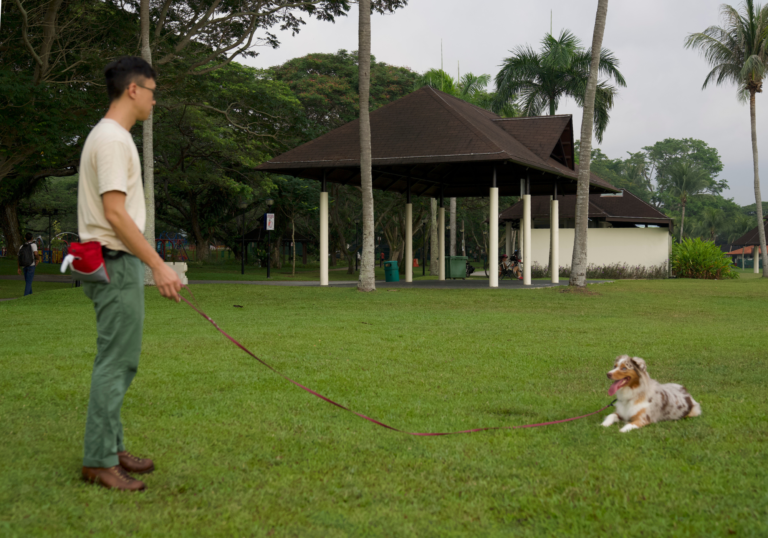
<point>86,262</point>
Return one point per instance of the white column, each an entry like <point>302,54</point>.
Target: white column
<point>409,242</point>
<point>323,238</point>
<point>493,239</point>
<point>527,240</point>
<point>755,259</point>
<point>508,245</point>
<point>441,243</point>
<point>554,225</point>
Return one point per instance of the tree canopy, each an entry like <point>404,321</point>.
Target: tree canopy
<point>538,81</point>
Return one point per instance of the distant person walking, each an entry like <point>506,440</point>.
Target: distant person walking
<point>381,259</point>
<point>27,259</point>
<point>110,210</point>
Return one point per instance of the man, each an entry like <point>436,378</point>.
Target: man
<point>26,261</point>
<point>110,210</point>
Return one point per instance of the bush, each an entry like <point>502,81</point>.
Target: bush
<point>614,271</point>
<point>694,258</point>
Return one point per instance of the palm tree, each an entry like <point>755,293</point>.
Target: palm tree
<point>471,88</point>
<point>712,219</point>
<point>687,179</point>
<point>738,54</point>
<point>367,279</point>
<point>538,81</point>
<point>579,260</point>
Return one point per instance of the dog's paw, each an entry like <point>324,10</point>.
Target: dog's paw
<point>611,419</point>
<point>628,428</point>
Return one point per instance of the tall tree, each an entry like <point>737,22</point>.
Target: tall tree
<point>147,145</point>
<point>738,54</point>
<point>212,131</point>
<point>579,260</point>
<point>367,279</point>
<point>686,179</point>
<point>52,55</point>
<point>538,81</point>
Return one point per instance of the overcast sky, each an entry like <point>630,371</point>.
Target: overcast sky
<point>663,98</point>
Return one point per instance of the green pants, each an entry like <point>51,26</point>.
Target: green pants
<point>119,309</point>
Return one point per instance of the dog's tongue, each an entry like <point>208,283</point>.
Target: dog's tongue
<point>616,385</point>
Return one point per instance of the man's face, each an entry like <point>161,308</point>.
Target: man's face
<point>142,92</point>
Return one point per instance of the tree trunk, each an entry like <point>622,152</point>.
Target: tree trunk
<point>279,253</point>
<point>758,199</point>
<point>682,222</point>
<point>201,243</point>
<point>367,278</point>
<point>453,226</point>
<point>9,221</point>
<point>579,260</point>
<point>293,245</point>
<point>147,143</point>
<point>433,264</point>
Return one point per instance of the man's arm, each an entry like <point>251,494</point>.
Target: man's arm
<point>166,279</point>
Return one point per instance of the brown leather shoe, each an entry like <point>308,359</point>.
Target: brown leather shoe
<point>132,464</point>
<point>112,478</point>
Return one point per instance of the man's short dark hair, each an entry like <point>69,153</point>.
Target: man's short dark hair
<point>123,71</point>
<point>28,236</point>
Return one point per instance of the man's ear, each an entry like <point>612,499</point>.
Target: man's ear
<point>639,363</point>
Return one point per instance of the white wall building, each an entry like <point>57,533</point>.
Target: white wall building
<point>622,229</point>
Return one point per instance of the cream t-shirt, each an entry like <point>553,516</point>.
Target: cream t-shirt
<point>110,162</point>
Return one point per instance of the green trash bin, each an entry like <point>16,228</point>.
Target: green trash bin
<point>391,273</point>
<point>456,267</point>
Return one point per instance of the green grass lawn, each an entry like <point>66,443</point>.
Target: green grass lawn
<point>241,452</point>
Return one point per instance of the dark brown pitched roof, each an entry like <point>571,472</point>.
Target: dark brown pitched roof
<point>439,140</point>
<point>542,135</point>
<point>752,237</point>
<point>624,208</point>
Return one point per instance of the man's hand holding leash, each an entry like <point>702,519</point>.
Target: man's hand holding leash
<point>166,279</point>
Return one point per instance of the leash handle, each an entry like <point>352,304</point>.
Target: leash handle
<point>369,419</point>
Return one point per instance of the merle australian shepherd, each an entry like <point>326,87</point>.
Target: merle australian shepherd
<point>641,400</point>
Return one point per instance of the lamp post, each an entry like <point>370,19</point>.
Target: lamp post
<point>463,245</point>
<point>243,205</point>
<point>270,201</point>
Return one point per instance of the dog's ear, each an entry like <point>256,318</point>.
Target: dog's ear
<point>639,363</point>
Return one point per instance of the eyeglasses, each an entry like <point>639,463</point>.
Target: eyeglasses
<point>153,90</point>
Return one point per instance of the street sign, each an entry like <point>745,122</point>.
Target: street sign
<point>270,224</point>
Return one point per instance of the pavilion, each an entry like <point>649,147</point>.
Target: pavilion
<point>624,229</point>
<point>750,244</point>
<point>429,143</point>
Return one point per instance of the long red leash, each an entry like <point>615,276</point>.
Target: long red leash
<point>422,434</point>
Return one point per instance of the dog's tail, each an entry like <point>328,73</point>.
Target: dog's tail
<point>695,410</point>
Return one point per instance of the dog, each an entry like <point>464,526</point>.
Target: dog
<point>641,400</point>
